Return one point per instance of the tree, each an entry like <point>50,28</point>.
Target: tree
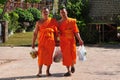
<point>36,15</point>
<point>5,2</point>
<point>78,9</point>
<point>2,1</point>
<point>25,18</point>
<point>24,15</point>
<point>13,23</point>
<point>35,12</point>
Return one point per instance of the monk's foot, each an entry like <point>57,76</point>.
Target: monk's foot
<point>72,69</point>
<point>48,73</point>
<point>38,75</point>
<point>67,74</point>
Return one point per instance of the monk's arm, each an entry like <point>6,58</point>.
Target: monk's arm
<point>79,38</point>
<point>35,33</point>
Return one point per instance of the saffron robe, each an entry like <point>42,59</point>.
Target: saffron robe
<point>46,43</point>
<point>67,41</point>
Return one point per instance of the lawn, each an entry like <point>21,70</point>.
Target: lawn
<point>25,39</point>
<point>19,39</point>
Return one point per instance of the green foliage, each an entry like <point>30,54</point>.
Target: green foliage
<point>78,9</point>
<point>57,17</point>
<point>28,16</point>
<point>35,12</point>
<point>62,6</point>
<point>51,15</point>
<point>13,23</point>
<point>24,15</point>
<point>36,15</point>
<point>1,10</point>
<point>1,6</point>
<point>85,11</point>
<point>21,14</point>
<point>6,17</point>
<point>74,9</point>
<point>2,1</point>
<point>33,1</point>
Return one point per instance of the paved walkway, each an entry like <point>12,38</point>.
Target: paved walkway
<point>103,63</point>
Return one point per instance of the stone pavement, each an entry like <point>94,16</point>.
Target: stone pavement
<point>103,63</point>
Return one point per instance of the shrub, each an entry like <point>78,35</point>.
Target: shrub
<point>1,10</point>
<point>2,1</point>
<point>6,17</point>
<point>13,22</point>
<point>24,15</point>
<point>35,12</point>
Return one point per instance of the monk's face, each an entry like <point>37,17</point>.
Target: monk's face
<point>45,12</point>
<point>63,13</point>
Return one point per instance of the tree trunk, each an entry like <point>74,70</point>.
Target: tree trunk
<point>4,9</point>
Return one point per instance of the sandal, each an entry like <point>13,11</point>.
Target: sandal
<point>72,69</point>
<point>38,75</point>
<point>67,74</point>
<point>48,74</point>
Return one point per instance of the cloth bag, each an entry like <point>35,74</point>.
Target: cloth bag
<point>57,57</point>
<point>82,53</point>
<point>33,53</point>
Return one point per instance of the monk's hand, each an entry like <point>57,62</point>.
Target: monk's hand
<point>81,42</point>
<point>57,42</point>
<point>33,46</point>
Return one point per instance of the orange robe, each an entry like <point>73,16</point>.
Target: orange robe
<point>46,43</point>
<point>67,41</point>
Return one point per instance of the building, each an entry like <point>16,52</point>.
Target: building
<point>104,14</point>
<point>104,10</point>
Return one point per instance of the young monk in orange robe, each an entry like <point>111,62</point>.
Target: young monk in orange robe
<point>68,31</point>
<point>45,30</point>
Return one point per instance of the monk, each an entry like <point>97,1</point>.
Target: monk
<point>68,30</point>
<point>45,29</point>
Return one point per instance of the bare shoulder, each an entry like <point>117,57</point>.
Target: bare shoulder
<point>40,21</point>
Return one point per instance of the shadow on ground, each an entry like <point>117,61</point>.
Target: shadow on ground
<point>32,76</point>
<point>108,46</point>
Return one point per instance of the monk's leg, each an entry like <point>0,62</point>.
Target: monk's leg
<point>40,71</point>
<point>48,70</point>
<point>72,68</point>
<point>68,71</point>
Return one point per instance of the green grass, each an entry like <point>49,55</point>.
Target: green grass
<point>25,39</point>
<point>19,39</point>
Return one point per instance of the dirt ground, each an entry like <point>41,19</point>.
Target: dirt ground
<point>103,63</point>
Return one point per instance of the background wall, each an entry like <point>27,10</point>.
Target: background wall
<point>104,10</point>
